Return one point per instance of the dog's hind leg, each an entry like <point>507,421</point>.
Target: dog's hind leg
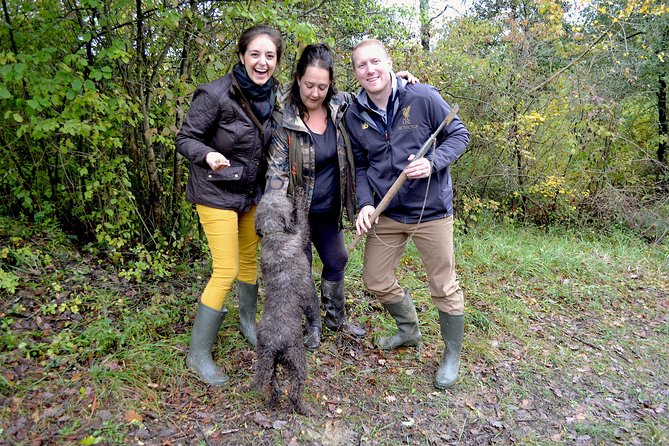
<point>275,394</point>
<point>296,363</point>
<point>264,369</point>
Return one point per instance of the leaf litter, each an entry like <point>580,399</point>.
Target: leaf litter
<point>585,376</point>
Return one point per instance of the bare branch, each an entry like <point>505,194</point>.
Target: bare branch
<point>440,14</point>
<point>572,63</point>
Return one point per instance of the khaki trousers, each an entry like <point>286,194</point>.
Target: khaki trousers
<point>385,246</point>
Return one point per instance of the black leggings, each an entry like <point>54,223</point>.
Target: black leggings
<point>330,245</point>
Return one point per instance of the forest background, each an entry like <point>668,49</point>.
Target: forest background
<point>100,255</point>
<point>566,104</point>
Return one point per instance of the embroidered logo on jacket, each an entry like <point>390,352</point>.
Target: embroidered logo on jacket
<point>406,120</point>
<point>405,113</point>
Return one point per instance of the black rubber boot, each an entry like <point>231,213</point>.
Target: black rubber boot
<point>332,295</point>
<point>452,329</point>
<point>408,333</point>
<point>247,294</point>
<point>312,336</point>
<point>205,329</point>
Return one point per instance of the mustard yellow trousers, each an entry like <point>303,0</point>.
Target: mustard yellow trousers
<point>233,244</point>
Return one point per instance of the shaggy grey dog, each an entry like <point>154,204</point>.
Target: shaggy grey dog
<point>289,293</point>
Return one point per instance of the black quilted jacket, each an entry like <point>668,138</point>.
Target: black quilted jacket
<point>220,119</point>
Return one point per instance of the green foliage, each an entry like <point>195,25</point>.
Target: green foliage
<point>157,263</point>
<point>552,201</point>
<point>8,281</point>
<point>530,81</point>
<point>90,107</point>
<point>473,209</point>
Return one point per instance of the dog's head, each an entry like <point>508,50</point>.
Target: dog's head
<point>275,214</point>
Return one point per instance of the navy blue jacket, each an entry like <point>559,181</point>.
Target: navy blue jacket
<point>380,157</point>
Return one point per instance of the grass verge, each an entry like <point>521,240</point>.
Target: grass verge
<point>566,341</point>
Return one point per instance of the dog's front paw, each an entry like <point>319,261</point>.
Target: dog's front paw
<point>272,403</point>
<point>303,408</point>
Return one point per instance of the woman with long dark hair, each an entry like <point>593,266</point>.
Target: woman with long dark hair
<point>225,136</point>
<point>309,149</point>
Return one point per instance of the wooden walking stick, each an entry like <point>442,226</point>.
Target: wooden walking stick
<point>403,177</point>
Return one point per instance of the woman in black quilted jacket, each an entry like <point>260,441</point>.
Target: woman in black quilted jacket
<point>225,136</point>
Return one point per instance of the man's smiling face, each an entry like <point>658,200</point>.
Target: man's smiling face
<point>372,68</point>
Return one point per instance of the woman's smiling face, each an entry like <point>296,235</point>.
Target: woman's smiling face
<point>260,59</point>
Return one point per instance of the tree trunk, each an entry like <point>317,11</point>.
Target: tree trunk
<point>177,166</point>
<point>145,97</point>
<point>520,160</point>
<point>425,24</point>
<point>663,128</point>
<point>15,48</point>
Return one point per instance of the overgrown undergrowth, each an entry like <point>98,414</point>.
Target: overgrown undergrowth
<point>566,342</point>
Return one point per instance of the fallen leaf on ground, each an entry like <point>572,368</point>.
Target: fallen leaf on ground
<point>132,416</point>
<point>262,420</point>
<point>278,424</point>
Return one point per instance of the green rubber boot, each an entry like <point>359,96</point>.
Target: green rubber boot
<point>205,329</point>
<point>408,333</point>
<point>247,294</point>
<point>452,329</point>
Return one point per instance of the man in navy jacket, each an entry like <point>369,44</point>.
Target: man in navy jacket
<point>388,122</point>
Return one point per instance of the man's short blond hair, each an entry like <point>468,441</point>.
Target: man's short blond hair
<point>369,42</point>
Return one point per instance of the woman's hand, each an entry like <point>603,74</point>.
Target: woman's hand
<point>408,76</point>
<point>217,161</point>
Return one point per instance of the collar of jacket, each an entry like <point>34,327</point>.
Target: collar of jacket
<point>236,93</point>
<point>293,122</point>
<point>398,93</point>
